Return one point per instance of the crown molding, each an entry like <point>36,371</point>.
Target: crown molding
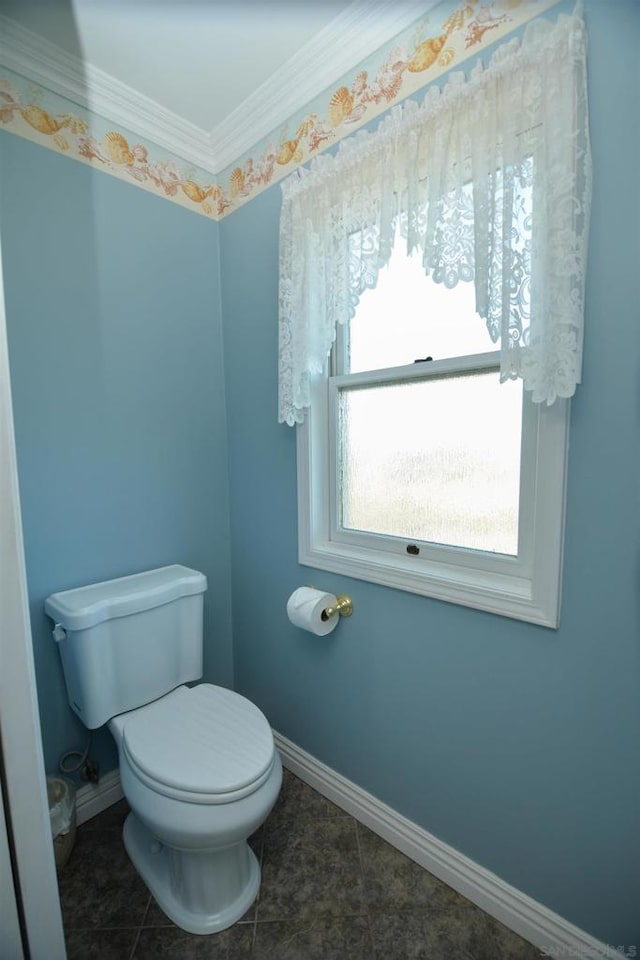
<point>354,34</point>
<point>48,65</point>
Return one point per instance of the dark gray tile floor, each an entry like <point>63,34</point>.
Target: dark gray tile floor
<point>331,890</point>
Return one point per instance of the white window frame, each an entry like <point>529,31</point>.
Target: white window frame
<point>526,587</point>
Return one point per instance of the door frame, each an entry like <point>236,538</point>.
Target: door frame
<point>27,813</point>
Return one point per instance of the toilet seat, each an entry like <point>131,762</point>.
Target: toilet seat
<point>202,744</point>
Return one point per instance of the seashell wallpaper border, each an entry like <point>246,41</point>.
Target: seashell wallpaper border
<point>451,33</point>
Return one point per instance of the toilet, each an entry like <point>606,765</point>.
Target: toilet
<point>198,764</point>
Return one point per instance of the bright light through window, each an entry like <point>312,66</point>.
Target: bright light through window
<point>408,317</point>
<point>422,461</point>
<point>433,459</point>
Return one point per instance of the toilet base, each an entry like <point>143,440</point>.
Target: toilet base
<point>202,892</point>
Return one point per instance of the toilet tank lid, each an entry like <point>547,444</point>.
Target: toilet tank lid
<point>85,607</point>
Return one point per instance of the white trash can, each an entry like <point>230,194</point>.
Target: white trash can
<point>61,795</point>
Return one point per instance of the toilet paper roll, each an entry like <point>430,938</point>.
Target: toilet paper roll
<point>304,609</point>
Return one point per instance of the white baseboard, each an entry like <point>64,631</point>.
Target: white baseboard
<point>542,927</point>
<point>92,799</point>
<point>555,936</point>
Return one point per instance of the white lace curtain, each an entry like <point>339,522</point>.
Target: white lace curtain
<point>490,178</point>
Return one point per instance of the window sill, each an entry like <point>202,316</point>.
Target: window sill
<point>506,594</point>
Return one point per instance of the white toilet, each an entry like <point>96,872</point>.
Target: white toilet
<point>197,764</point>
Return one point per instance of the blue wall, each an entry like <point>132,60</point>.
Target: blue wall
<point>518,745</point>
<point>113,308</point>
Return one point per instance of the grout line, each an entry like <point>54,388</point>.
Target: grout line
<point>367,913</point>
<point>360,858</point>
<point>83,928</point>
<point>135,944</point>
<point>254,934</point>
<point>146,911</point>
<point>139,931</point>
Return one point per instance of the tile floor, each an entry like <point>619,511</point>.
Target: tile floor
<point>331,890</point>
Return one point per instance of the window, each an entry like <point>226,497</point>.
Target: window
<point>418,469</point>
<point>444,477</point>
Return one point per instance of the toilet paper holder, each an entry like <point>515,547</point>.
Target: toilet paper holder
<point>343,606</point>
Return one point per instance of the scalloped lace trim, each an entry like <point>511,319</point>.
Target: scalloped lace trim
<point>490,178</point>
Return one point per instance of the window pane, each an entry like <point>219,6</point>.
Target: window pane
<point>435,460</point>
<point>408,317</point>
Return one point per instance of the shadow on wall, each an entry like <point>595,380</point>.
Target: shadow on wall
<point>54,333</point>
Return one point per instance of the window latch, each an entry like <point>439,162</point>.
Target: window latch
<point>422,359</point>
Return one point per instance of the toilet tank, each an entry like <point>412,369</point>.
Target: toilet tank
<point>126,642</point>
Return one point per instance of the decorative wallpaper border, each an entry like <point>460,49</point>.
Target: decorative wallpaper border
<point>37,114</point>
<point>452,32</point>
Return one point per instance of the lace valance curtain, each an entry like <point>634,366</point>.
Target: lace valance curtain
<point>490,178</point>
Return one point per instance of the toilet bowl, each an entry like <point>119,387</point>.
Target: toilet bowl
<point>197,764</point>
<point>200,772</point>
